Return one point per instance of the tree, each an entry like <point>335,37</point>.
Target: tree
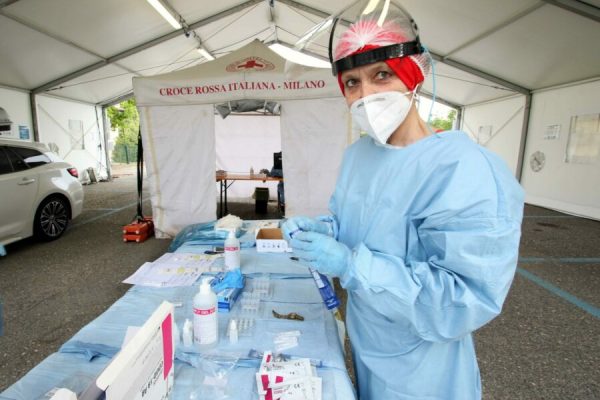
<point>444,124</point>
<point>126,120</point>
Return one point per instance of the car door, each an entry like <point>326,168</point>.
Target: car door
<point>18,188</point>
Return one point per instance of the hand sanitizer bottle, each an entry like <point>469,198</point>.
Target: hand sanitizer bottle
<point>232,251</point>
<point>206,323</point>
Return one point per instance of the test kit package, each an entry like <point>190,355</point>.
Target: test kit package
<point>270,240</point>
<point>226,298</point>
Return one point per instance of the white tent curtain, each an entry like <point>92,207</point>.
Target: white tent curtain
<point>179,185</point>
<point>314,134</point>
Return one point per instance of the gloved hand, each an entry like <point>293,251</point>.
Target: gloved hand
<point>322,252</point>
<point>302,223</point>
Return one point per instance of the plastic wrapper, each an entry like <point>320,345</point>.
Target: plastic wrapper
<point>202,232</point>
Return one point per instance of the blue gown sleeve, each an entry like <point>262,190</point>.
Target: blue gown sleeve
<point>470,237</point>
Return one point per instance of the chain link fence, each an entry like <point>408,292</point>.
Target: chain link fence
<point>124,153</point>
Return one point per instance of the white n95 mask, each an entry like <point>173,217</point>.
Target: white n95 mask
<point>379,114</point>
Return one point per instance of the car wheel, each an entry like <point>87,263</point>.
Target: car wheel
<point>51,218</point>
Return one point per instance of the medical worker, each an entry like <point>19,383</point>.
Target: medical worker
<point>424,227</point>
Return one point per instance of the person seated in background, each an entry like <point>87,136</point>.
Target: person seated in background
<point>277,171</point>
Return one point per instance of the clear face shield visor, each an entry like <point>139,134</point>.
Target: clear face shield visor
<point>365,32</point>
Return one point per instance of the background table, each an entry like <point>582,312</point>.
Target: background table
<point>225,180</point>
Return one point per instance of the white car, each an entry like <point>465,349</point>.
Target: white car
<point>39,192</point>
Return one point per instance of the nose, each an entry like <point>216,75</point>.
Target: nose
<point>367,88</point>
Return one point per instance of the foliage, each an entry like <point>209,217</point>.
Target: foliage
<point>444,124</point>
<point>126,120</point>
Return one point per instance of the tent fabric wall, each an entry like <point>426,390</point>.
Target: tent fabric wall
<point>78,131</point>
<point>16,104</point>
<point>564,186</point>
<point>497,125</point>
<point>244,141</point>
<point>179,185</point>
<point>314,134</point>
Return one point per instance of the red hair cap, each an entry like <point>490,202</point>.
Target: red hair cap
<point>366,34</point>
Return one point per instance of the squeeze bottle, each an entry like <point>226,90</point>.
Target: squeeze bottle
<point>206,323</point>
<point>232,251</point>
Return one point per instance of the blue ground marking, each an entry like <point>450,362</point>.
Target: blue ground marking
<point>550,216</point>
<point>560,293</point>
<point>114,210</point>
<point>563,260</point>
<point>531,260</point>
<point>580,260</point>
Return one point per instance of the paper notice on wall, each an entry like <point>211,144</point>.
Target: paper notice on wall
<point>172,270</point>
<point>552,132</point>
<point>583,146</point>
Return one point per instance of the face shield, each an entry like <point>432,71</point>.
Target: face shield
<point>366,32</point>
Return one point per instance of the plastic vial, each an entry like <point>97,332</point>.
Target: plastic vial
<point>233,332</point>
<point>232,251</point>
<point>176,334</point>
<point>188,333</point>
<point>206,323</point>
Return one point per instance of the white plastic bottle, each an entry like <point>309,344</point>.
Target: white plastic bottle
<point>206,323</point>
<point>232,251</point>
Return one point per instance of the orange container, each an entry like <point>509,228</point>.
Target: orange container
<point>138,231</point>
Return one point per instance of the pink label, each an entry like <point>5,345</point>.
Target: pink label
<point>204,312</point>
<point>167,327</point>
<point>232,248</point>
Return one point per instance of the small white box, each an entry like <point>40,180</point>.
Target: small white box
<point>270,240</point>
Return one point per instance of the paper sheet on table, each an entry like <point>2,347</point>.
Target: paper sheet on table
<point>172,269</point>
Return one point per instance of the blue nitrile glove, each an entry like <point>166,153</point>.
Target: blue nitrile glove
<point>2,250</point>
<point>322,252</point>
<point>232,279</point>
<point>301,223</point>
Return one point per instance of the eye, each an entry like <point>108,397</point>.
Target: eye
<point>350,83</point>
<point>381,75</point>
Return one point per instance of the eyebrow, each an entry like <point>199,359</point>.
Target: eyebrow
<point>374,67</point>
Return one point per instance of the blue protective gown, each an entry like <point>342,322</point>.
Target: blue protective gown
<point>434,229</point>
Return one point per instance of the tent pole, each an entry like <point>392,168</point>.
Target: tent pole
<point>106,124</point>
<point>524,132</point>
<point>34,117</point>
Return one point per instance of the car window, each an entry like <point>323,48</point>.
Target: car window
<point>5,166</point>
<point>32,157</point>
<point>17,162</point>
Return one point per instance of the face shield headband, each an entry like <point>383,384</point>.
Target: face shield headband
<point>404,68</point>
<point>369,56</point>
<point>398,50</point>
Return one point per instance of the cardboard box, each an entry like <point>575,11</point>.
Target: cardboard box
<point>270,240</point>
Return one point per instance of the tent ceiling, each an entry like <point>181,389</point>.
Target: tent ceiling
<point>89,50</point>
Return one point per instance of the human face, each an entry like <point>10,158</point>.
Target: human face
<point>369,79</point>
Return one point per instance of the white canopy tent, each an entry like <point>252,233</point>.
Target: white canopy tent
<point>178,132</point>
<point>514,69</point>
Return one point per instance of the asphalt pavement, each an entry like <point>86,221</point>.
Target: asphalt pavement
<point>544,345</point>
